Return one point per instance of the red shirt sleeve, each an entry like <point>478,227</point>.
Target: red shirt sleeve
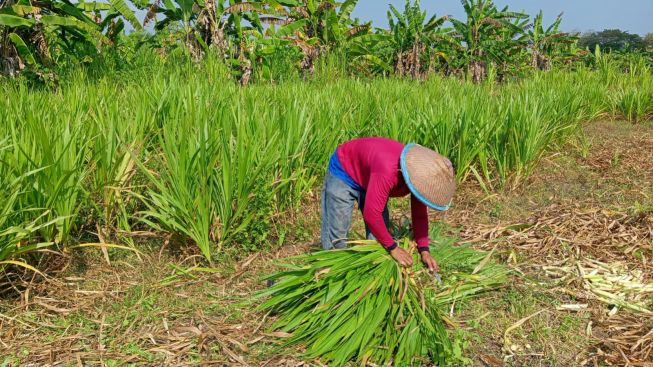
<point>420,217</point>
<point>376,198</point>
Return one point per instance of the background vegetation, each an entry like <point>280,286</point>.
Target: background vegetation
<point>277,40</point>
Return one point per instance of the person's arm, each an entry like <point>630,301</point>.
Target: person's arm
<point>376,198</point>
<point>420,218</point>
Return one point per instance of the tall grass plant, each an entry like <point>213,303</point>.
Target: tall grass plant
<point>180,147</point>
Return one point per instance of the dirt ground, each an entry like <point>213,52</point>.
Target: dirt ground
<point>594,200</point>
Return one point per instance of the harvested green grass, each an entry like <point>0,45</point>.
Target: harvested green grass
<point>359,304</point>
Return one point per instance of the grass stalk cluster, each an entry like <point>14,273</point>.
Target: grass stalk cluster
<point>183,149</point>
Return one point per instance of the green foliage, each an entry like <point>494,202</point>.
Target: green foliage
<point>18,226</point>
<point>179,147</point>
<point>490,35</point>
<point>60,32</point>
<point>548,43</point>
<point>328,21</point>
<point>257,234</point>
<point>633,104</point>
<point>22,48</point>
<point>120,7</point>
<point>612,40</point>
<point>14,21</point>
<point>648,41</point>
<point>268,40</point>
<point>358,304</point>
<point>54,152</point>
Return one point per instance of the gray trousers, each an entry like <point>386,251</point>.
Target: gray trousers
<point>338,200</point>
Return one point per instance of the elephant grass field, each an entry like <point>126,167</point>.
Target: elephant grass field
<point>169,153</point>
<point>189,152</point>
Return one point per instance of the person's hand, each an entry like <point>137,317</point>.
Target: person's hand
<point>402,257</point>
<point>429,261</point>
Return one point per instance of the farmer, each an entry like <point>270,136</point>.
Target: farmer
<point>372,170</point>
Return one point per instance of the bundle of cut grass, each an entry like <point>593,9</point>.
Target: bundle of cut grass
<point>358,305</point>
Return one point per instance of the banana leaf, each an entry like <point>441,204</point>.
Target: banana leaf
<point>22,48</point>
<point>9,20</point>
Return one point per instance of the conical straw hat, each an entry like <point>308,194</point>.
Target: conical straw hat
<point>428,175</point>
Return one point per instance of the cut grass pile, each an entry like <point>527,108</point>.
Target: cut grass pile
<point>614,284</point>
<point>359,304</point>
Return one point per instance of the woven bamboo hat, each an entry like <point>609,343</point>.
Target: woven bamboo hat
<point>428,175</point>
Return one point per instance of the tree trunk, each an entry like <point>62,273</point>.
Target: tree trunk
<point>543,63</point>
<point>211,29</point>
<point>194,47</point>
<point>416,61</point>
<point>478,69</point>
<point>399,65</point>
<point>308,62</point>
<point>10,62</point>
<point>410,62</point>
<point>42,48</point>
<point>534,58</point>
<point>246,67</point>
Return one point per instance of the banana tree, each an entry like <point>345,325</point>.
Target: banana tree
<point>412,46</point>
<point>205,24</point>
<point>546,43</point>
<point>327,20</point>
<point>111,16</point>
<point>31,31</point>
<point>258,52</point>
<point>508,54</point>
<point>488,35</point>
<point>315,26</point>
<point>26,29</point>
<point>414,42</point>
<point>178,15</point>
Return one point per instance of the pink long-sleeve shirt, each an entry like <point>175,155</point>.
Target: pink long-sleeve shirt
<point>373,163</point>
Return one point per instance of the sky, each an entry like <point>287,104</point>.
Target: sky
<point>634,16</point>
